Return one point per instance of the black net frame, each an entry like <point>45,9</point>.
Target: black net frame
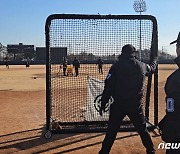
<point>54,122</point>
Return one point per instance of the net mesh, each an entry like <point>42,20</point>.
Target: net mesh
<point>71,96</point>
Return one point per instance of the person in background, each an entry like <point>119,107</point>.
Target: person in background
<point>64,66</point>
<point>27,64</point>
<point>100,64</point>
<point>7,64</point>
<point>76,65</point>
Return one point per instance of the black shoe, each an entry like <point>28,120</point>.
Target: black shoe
<point>101,152</point>
<point>150,152</point>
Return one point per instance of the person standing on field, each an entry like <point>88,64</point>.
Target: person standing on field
<point>7,64</point>
<point>76,65</point>
<point>124,83</point>
<point>27,64</point>
<point>170,125</point>
<point>100,64</point>
<point>64,66</point>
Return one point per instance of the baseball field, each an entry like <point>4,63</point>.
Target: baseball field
<point>22,117</point>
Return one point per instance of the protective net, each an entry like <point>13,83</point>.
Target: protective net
<point>74,94</point>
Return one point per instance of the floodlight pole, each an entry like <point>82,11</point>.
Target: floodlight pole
<point>140,6</point>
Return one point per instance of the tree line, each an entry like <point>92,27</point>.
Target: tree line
<point>30,54</point>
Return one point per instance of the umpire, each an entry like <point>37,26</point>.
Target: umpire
<point>171,128</point>
<point>124,83</point>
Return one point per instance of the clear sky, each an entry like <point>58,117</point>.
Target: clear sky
<point>24,20</point>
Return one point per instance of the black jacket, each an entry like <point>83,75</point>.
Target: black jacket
<point>76,63</point>
<point>125,79</point>
<point>65,64</point>
<point>99,62</point>
<point>172,90</point>
<point>170,124</point>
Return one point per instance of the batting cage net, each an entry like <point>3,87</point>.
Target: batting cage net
<point>80,50</point>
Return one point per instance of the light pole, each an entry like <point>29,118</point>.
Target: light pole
<point>139,7</point>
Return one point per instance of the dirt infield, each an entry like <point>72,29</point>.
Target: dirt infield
<point>22,119</point>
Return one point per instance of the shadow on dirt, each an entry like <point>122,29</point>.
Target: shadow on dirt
<point>24,140</point>
<point>91,144</point>
<point>33,140</point>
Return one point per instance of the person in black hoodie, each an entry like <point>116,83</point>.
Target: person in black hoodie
<point>170,125</point>
<point>76,65</point>
<point>124,83</point>
<point>100,64</point>
<point>64,65</point>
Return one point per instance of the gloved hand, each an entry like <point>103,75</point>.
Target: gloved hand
<point>104,101</point>
<point>102,109</point>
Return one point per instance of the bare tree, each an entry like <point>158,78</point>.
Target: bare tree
<point>3,51</point>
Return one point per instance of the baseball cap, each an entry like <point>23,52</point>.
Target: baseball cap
<point>178,40</point>
<point>128,48</point>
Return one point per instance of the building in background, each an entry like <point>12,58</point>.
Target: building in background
<point>20,51</point>
<point>56,54</point>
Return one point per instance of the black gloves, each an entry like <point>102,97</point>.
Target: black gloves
<point>102,109</point>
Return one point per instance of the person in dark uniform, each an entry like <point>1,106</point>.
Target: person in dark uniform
<point>124,83</point>
<point>171,125</point>
<point>100,64</point>
<point>76,65</point>
<point>64,65</point>
<point>7,64</point>
<point>27,64</point>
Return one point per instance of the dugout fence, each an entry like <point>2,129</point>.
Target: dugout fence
<point>72,103</point>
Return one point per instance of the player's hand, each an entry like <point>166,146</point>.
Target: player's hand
<point>102,109</point>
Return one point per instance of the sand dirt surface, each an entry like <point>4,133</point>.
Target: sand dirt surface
<point>22,118</point>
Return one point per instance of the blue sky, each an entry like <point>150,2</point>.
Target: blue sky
<point>24,20</point>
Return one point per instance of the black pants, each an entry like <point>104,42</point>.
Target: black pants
<point>64,71</point>
<point>117,113</point>
<point>100,69</point>
<point>77,71</point>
